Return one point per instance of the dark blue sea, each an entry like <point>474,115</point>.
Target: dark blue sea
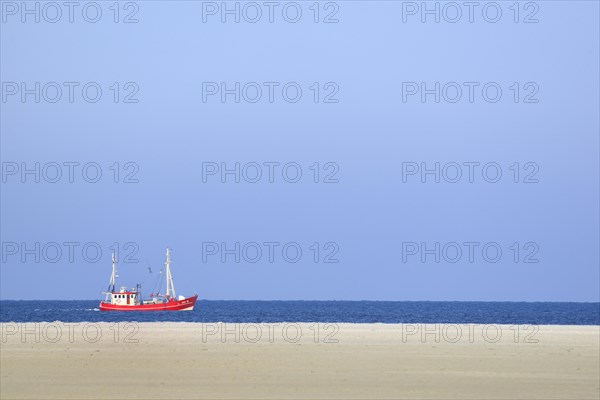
<point>541,313</point>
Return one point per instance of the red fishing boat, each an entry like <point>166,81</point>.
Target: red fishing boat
<point>131,299</point>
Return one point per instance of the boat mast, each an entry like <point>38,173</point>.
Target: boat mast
<point>170,286</point>
<point>113,275</point>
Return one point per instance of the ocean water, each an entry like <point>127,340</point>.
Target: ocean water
<point>542,313</point>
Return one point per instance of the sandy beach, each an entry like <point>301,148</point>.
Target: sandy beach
<point>298,361</point>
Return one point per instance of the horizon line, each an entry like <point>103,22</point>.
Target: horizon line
<point>356,301</point>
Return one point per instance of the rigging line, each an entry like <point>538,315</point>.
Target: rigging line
<point>158,282</point>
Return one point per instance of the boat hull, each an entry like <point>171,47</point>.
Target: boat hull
<point>186,304</point>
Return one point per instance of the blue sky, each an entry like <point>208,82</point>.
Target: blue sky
<point>364,130</point>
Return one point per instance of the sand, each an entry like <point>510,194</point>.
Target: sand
<point>299,361</point>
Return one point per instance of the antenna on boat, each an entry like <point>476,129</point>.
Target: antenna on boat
<point>113,276</point>
<point>170,286</point>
